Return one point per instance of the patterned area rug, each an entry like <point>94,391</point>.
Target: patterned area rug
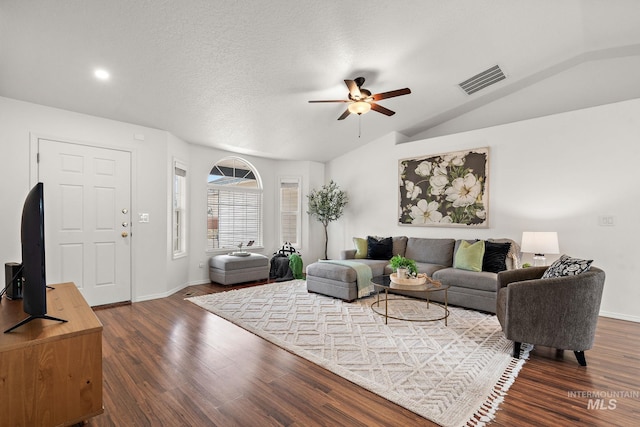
<point>453,375</point>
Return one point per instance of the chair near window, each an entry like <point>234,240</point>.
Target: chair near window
<point>557,312</point>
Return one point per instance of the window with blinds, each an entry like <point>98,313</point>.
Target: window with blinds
<point>234,205</point>
<point>179,226</point>
<point>290,220</point>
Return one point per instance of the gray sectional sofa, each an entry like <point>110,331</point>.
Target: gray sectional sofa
<point>435,257</point>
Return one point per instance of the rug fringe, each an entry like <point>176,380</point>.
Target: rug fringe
<point>487,411</point>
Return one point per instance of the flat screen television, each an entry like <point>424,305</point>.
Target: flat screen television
<point>34,281</point>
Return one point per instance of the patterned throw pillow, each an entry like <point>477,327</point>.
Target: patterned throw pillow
<point>567,266</point>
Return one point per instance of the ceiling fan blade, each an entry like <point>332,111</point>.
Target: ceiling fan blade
<point>344,115</point>
<point>381,109</point>
<point>354,90</point>
<point>385,95</point>
<point>332,100</point>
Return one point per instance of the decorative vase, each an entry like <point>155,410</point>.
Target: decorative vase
<point>401,272</point>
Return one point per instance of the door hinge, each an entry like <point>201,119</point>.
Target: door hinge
<point>38,157</point>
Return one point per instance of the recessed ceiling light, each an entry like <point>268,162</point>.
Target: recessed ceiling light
<point>101,74</point>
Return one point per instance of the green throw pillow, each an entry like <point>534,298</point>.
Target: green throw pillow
<point>361,247</point>
<point>469,256</point>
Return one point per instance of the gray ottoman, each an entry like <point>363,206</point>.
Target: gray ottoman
<point>229,269</point>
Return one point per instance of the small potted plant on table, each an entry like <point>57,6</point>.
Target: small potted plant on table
<point>403,267</point>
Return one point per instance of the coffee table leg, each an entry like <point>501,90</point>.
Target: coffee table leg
<point>446,308</point>
<point>386,304</point>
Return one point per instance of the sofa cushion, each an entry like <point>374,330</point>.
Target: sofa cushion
<point>361,247</point>
<point>340,273</point>
<point>343,273</point>
<point>431,251</point>
<point>567,266</point>
<point>399,245</point>
<point>469,256</point>
<point>379,247</point>
<point>495,256</point>
<point>429,269</point>
<point>230,262</point>
<point>483,280</point>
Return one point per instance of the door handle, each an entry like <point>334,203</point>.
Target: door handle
<point>124,234</point>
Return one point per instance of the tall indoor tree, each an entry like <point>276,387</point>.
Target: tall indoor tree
<point>327,205</point>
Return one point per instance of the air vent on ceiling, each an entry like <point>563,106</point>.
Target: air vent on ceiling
<point>482,80</point>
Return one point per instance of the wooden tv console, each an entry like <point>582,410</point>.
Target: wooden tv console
<point>51,372</point>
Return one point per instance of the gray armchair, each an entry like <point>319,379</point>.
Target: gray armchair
<point>559,312</point>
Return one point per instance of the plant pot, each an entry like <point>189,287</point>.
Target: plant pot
<point>401,273</point>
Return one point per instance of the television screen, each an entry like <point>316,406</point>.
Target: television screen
<point>34,291</point>
<point>34,283</point>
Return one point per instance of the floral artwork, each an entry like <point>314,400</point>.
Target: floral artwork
<point>447,190</point>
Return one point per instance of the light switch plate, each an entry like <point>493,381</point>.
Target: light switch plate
<point>606,220</point>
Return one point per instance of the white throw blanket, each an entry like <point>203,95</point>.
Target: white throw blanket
<point>363,275</point>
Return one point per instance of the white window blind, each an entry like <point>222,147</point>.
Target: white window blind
<point>234,205</point>
<point>239,217</point>
<point>179,209</point>
<point>290,211</point>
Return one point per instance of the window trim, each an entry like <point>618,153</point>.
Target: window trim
<point>183,233</point>
<point>290,180</point>
<point>259,190</point>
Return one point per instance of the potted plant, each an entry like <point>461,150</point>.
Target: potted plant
<point>403,267</point>
<point>327,205</point>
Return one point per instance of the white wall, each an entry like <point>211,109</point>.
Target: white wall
<point>178,268</point>
<point>155,273</point>
<point>19,120</point>
<point>201,161</point>
<point>312,174</point>
<point>555,173</point>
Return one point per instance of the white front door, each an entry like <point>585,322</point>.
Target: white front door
<point>87,205</point>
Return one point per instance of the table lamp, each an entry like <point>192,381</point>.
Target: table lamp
<point>540,243</point>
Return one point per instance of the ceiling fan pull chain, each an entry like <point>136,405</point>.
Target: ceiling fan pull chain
<point>359,125</point>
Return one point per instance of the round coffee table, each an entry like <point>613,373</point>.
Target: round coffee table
<point>384,283</point>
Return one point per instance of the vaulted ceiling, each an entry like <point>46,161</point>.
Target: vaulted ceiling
<point>238,75</point>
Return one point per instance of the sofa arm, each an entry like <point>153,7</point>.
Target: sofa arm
<point>519,275</point>
<point>348,254</point>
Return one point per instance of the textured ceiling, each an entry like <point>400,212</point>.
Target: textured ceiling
<point>238,75</point>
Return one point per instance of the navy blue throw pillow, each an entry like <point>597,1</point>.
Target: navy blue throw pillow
<point>495,257</point>
<point>379,247</point>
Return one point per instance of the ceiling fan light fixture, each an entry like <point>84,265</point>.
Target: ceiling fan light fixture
<point>359,107</point>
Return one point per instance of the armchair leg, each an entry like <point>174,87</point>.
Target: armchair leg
<point>516,349</point>
<point>581,359</point>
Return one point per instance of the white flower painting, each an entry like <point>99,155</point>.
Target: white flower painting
<point>447,190</point>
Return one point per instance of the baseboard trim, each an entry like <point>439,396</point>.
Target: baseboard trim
<point>169,292</point>
<point>620,316</point>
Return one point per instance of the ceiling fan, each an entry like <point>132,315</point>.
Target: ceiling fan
<point>361,101</point>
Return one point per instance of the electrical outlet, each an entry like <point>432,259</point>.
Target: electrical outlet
<point>606,220</point>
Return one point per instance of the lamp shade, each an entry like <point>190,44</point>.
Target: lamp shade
<point>540,242</point>
<point>359,107</point>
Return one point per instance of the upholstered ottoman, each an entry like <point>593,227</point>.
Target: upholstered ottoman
<point>230,269</point>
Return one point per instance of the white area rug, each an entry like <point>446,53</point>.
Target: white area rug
<point>453,375</point>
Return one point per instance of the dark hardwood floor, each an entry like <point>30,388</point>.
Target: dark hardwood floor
<point>168,362</point>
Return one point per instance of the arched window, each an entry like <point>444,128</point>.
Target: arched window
<point>234,205</point>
